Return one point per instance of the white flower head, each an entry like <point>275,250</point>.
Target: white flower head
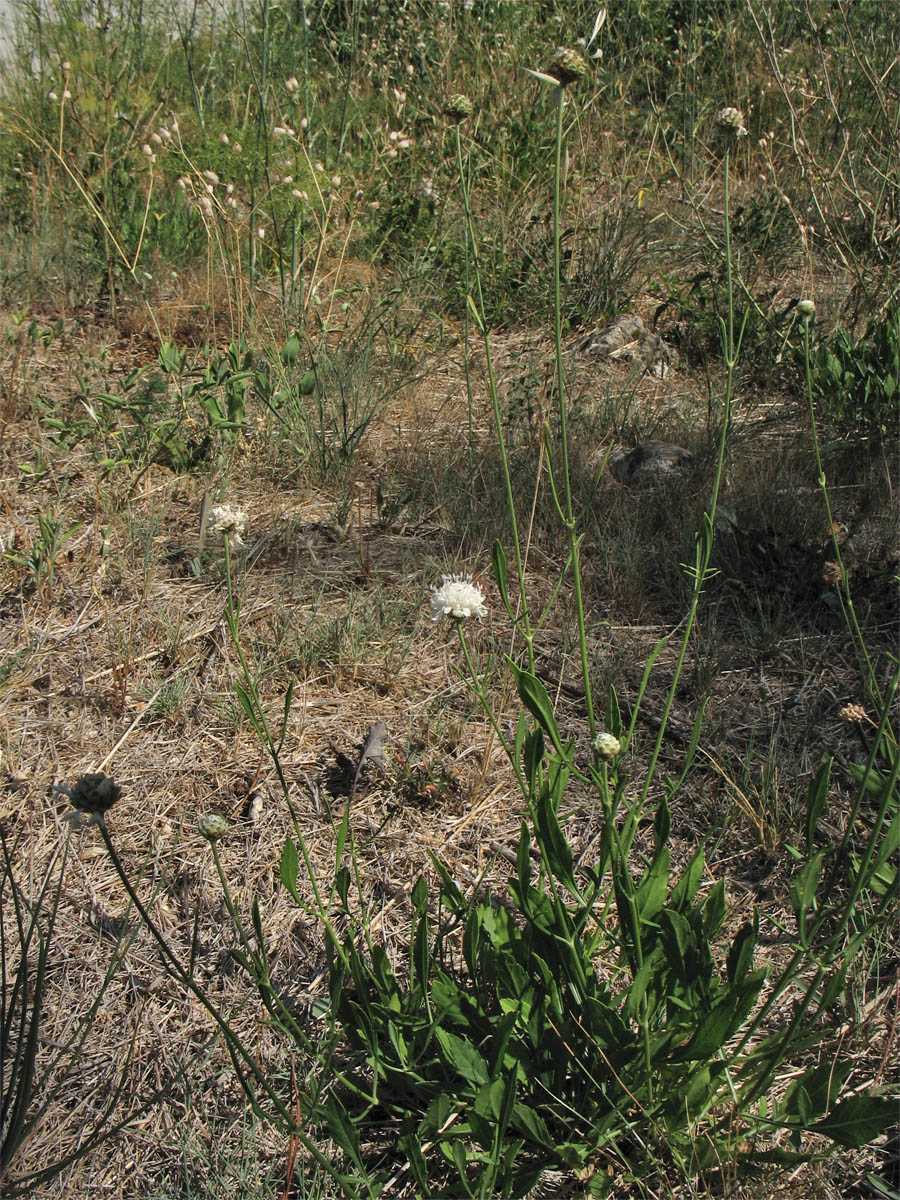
<point>230,522</point>
<point>457,597</point>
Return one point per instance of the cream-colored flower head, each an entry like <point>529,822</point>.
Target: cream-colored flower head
<point>457,597</point>
<point>606,744</point>
<point>806,309</point>
<point>730,124</point>
<point>855,714</point>
<point>230,522</point>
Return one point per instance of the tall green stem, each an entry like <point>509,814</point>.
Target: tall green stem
<point>481,319</point>
<point>568,511</point>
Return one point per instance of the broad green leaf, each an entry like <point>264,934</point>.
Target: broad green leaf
<point>534,696</point>
<point>740,955</point>
<point>533,756</point>
<point>714,910</point>
<point>527,1121</point>
<point>858,1120</point>
<point>677,938</point>
<point>686,888</point>
<point>290,350</point>
<point>653,888</point>
<point>462,1056</point>
<point>723,1020</point>
<point>813,1093</point>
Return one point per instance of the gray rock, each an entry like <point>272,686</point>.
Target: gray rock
<point>626,339</point>
<point>646,461</point>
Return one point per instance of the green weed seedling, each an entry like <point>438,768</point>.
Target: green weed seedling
<point>40,560</point>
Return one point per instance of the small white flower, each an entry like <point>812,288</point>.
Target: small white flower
<point>211,177</point>
<point>223,139</point>
<point>806,309</point>
<point>52,96</point>
<point>156,139</point>
<point>230,522</point>
<point>261,232</point>
<point>147,150</point>
<point>237,147</point>
<point>291,85</point>
<point>457,597</point>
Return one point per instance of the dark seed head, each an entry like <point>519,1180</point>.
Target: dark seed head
<point>94,793</point>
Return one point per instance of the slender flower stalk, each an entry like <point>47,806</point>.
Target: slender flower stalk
<point>478,311</point>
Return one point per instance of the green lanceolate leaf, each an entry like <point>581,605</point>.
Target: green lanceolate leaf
<point>534,696</point>
<point>498,558</point>
<point>816,800</point>
<point>553,842</point>
<point>290,865</point>
<point>661,825</point>
<point>613,716</point>
<point>803,892</point>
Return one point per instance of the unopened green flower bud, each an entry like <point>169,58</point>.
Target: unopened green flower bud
<point>94,794</point>
<point>806,309</point>
<point>458,107</point>
<point>567,66</point>
<point>213,827</point>
<point>607,745</point>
